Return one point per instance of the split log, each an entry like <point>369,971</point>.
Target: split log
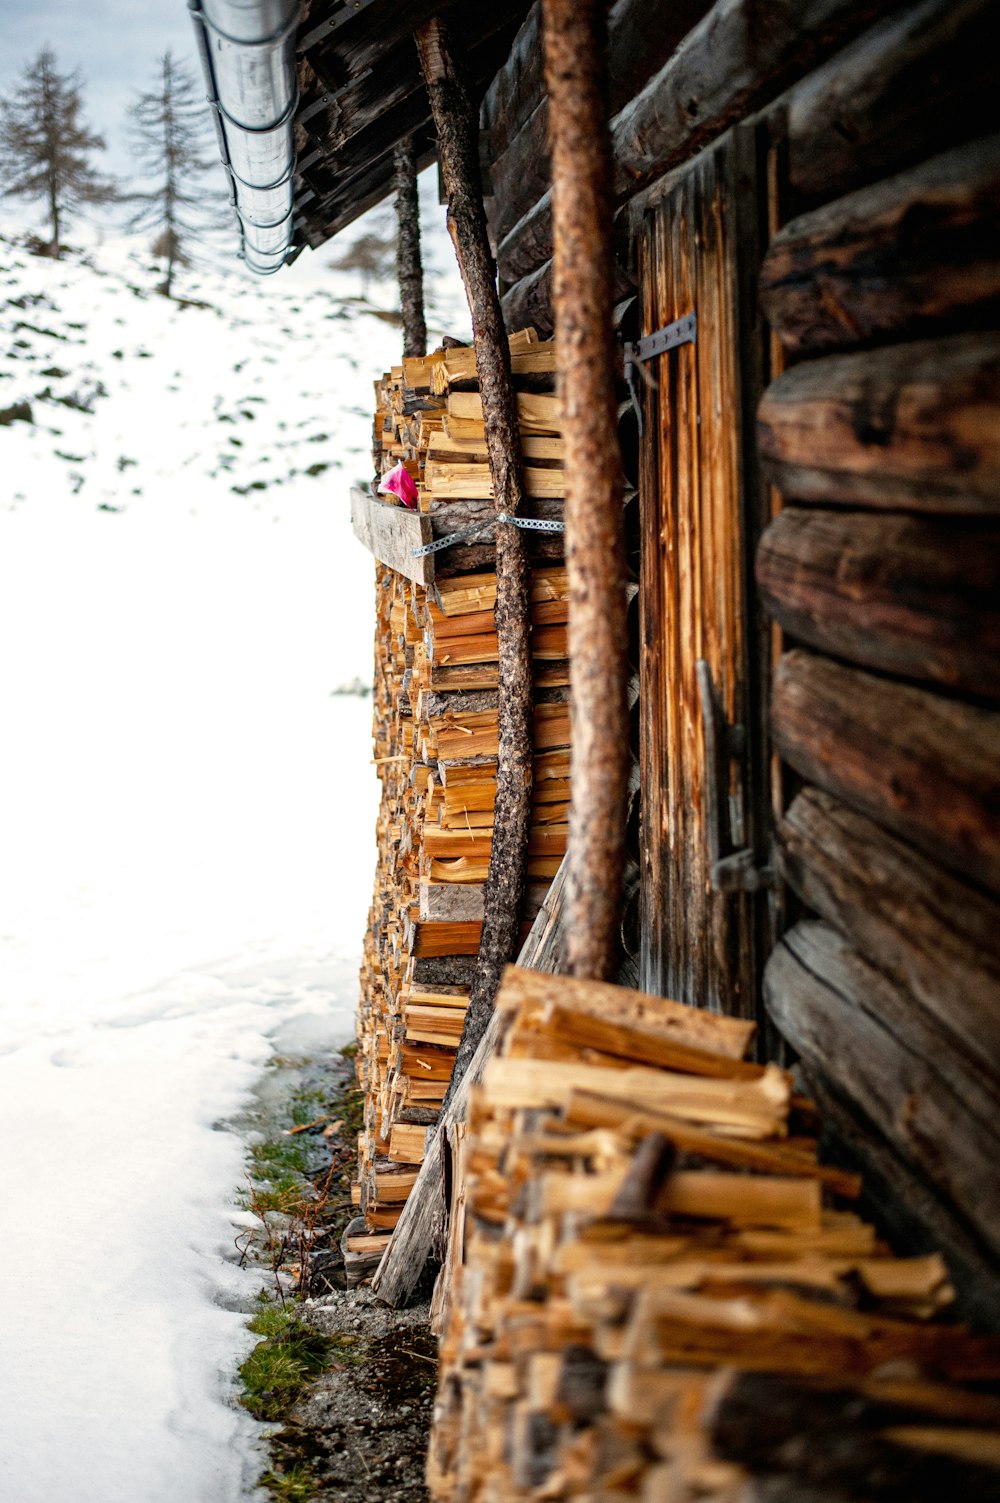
<point>851,1025</point>
<point>919,251</point>
<point>914,596</point>
<point>566,1255</point>
<point>458,144</point>
<point>575,77</point>
<point>409,267</point>
<point>913,426</point>
<point>917,82</point>
<point>403,1263</point>
<point>923,767</point>
<point>935,936</point>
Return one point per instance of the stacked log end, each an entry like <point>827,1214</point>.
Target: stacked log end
<point>435,750</point>
<point>656,1290</point>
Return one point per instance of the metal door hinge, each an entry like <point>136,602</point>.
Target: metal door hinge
<point>681,331</point>
<point>737,871</point>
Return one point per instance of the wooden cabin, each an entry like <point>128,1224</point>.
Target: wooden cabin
<point>810,191</point>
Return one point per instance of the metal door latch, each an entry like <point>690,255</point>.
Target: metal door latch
<point>681,331</point>
<point>724,743</point>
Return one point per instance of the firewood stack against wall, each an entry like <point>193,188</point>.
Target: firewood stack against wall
<point>435,748</point>
<point>653,1285</point>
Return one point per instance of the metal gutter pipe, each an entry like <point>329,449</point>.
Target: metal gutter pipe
<point>247,51</point>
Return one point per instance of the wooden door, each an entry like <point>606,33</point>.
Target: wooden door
<point>699,502</point>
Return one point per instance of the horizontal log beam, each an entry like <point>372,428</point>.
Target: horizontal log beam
<point>934,935</point>
<point>919,251</point>
<point>860,1032</point>
<point>914,426</point>
<point>642,35</point>
<point>924,767</point>
<point>919,81</point>
<point>915,596</point>
<point>740,56</point>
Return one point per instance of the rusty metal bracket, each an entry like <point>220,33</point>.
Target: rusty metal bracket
<point>681,331</point>
<point>737,871</point>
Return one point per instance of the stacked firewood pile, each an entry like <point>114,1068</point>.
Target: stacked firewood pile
<point>428,413</point>
<point>435,737</point>
<point>655,1290</point>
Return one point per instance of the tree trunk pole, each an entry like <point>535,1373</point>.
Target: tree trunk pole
<point>409,267</point>
<point>582,208</point>
<point>457,128</point>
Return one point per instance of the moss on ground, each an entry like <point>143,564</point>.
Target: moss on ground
<point>298,1186</point>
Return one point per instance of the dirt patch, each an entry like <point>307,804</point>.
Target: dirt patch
<point>361,1431</point>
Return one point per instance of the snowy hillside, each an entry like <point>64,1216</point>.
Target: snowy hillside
<point>186,816</point>
<point>240,386</point>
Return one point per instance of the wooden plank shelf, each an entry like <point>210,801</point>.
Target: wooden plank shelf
<point>391,533</point>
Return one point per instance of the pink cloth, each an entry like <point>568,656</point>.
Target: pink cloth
<point>398,483</point>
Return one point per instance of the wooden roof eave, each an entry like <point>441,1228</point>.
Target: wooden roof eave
<point>362,94</point>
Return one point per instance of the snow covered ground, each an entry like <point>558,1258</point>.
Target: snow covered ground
<point>186,814</point>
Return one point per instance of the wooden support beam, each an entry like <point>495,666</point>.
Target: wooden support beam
<point>409,266</point>
<point>456,124</point>
<point>575,75</point>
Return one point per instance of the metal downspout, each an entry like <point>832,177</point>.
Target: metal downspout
<point>247,51</point>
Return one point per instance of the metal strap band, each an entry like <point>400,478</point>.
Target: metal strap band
<point>527,524</point>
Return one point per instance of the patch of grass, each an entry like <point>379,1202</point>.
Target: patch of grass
<point>283,1363</point>
<point>297,1485</point>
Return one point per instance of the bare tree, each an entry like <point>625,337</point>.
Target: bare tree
<point>169,131</point>
<point>45,145</point>
<point>371,254</point>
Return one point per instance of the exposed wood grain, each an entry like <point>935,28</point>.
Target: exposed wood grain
<point>914,596</point>
<point>935,936</point>
<point>914,427</point>
<point>924,767</point>
<point>391,533</point>
<point>696,944</point>
<point>862,1033</point>
<point>917,252</point>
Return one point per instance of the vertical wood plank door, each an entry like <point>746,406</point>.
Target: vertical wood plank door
<point>697,944</point>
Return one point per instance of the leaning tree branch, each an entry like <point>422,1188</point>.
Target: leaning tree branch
<point>582,209</point>
<point>456,123</point>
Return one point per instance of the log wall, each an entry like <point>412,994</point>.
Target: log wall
<point>882,572</point>
<point>819,494</point>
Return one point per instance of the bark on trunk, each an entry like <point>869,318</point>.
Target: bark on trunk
<point>575,74</point>
<point>456,124</point>
<point>409,267</point>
